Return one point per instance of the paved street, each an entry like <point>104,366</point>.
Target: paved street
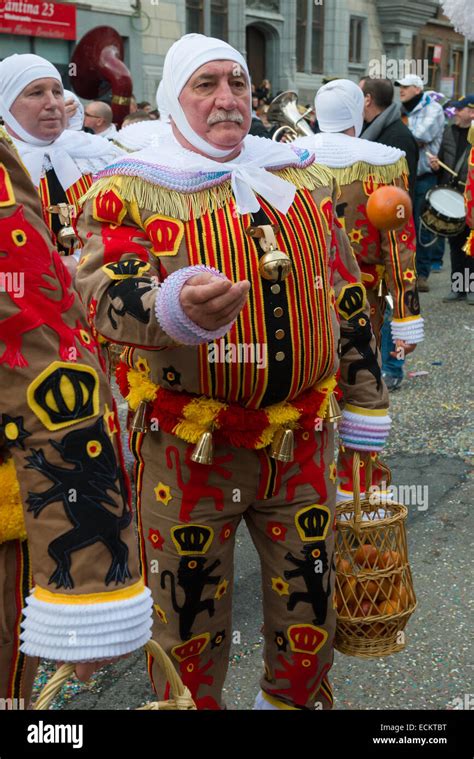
<point>432,427</point>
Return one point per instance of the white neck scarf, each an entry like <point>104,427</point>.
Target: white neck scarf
<point>248,170</point>
<point>71,155</point>
<point>339,105</point>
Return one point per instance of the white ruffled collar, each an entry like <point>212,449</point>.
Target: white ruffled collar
<point>338,150</point>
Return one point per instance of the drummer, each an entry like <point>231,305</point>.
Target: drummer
<point>454,152</point>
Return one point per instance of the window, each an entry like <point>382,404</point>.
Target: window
<point>309,36</point>
<point>456,70</point>
<point>196,11</point>
<point>432,67</point>
<point>356,31</point>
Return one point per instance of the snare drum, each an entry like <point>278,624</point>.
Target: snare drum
<point>444,214</point>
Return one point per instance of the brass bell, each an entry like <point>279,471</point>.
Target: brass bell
<point>67,237</point>
<point>274,265</point>
<point>283,445</point>
<point>333,413</point>
<point>204,450</point>
<point>139,423</point>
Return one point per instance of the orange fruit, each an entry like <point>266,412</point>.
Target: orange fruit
<point>343,566</point>
<point>366,556</point>
<point>389,559</point>
<point>389,207</point>
<point>388,607</point>
<point>400,598</point>
<point>368,589</point>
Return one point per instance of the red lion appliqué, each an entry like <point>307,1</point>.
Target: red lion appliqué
<point>23,250</point>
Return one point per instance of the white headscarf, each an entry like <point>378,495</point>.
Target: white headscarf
<point>162,105</point>
<point>184,58</point>
<point>339,106</point>
<point>248,170</point>
<point>72,154</point>
<point>77,121</point>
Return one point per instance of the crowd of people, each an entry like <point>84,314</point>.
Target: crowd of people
<point>182,238</point>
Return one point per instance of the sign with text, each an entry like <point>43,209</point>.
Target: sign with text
<point>437,53</point>
<point>35,18</point>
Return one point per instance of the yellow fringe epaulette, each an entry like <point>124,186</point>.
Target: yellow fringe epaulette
<point>361,171</point>
<point>183,206</point>
<point>470,135</point>
<point>12,522</point>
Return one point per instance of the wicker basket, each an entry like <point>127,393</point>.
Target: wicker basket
<point>181,696</point>
<point>374,594</point>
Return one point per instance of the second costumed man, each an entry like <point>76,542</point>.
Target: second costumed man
<point>213,241</point>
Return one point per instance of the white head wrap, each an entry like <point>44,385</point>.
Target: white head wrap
<point>161,104</point>
<point>16,73</point>
<point>339,106</point>
<point>184,58</point>
<point>72,154</point>
<point>77,121</point>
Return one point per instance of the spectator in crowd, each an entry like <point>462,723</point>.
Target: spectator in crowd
<point>425,120</point>
<point>454,152</point>
<point>98,117</point>
<point>264,92</point>
<point>133,118</point>
<point>257,127</point>
<point>133,104</point>
<point>144,106</point>
<point>383,123</point>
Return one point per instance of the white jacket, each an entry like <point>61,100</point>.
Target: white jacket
<point>426,122</point>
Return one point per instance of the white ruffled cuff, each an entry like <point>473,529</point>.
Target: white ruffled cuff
<point>410,330</point>
<point>79,632</point>
<point>364,429</point>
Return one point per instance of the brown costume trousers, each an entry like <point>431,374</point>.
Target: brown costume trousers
<point>188,516</point>
<point>17,671</point>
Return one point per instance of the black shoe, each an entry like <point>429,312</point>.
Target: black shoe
<point>451,297</point>
<point>392,383</point>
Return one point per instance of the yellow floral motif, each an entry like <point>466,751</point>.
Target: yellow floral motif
<point>280,586</point>
<point>221,589</point>
<point>332,471</point>
<point>355,235</point>
<point>163,493</point>
<point>142,365</point>
<point>409,275</point>
<point>160,613</point>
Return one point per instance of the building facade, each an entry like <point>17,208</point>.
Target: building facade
<point>293,43</point>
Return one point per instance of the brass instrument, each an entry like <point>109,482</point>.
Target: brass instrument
<point>284,110</point>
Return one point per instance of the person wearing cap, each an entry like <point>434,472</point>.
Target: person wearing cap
<point>215,258</point>
<point>60,160</point>
<point>71,588</point>
<point>425,120</point>
<point>454,152</point>
<point>469,197</point>
<point>386,259</point>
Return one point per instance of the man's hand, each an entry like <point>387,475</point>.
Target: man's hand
<point>84,670</point>
<point>211,302</point>
<point>405,347</point>
<point>434,163</point>
<point>71,108</point>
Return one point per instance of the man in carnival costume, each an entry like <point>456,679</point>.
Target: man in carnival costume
<point>386,259</point>
<point>67,546</point>
<point>60,160</point>
<point>218,261</point>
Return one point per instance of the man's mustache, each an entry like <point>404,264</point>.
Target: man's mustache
<point>222,115</point>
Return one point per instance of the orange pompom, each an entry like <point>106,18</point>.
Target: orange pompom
<point>389,207</point>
